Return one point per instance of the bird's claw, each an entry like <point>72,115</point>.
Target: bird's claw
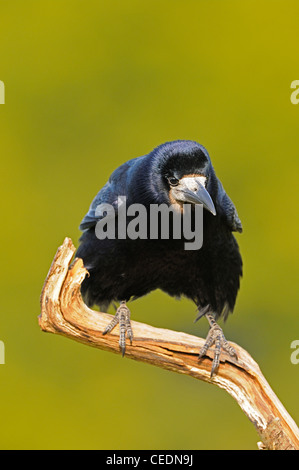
<point>122,316</point>
<point>216,336</point>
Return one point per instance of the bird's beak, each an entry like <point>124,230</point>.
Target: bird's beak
<point>192,189</point>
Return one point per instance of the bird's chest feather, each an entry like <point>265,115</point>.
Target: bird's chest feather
<point>166,265</point>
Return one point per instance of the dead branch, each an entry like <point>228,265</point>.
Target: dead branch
<point>64,312</point>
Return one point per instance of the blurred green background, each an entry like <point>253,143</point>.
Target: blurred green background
<point>90,85</point>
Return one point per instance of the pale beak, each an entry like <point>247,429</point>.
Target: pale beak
<point>192,189</point>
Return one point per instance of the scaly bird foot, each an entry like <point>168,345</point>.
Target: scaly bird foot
<point>216,336</point>
<point>122,316</point>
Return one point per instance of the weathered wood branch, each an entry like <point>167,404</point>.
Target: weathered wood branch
<point>64,312</point>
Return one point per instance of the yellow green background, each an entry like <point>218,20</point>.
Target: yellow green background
<point>89,85</point>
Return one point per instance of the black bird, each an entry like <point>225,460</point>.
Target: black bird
<point>121,268</point>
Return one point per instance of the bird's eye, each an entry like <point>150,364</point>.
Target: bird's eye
<point>173,181</point>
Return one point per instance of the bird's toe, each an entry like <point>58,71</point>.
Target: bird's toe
<point>121,317</point>
<point>216,336</point>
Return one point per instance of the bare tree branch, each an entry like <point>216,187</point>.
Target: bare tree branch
<point>64,312</point>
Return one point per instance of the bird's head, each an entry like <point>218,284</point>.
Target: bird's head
<point>182,172</point>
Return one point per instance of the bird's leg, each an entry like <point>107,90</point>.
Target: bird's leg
<point>122,316</point>
<point>216,336</point>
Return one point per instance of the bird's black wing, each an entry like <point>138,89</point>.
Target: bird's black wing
<point>105,195</point>
<point>116,186</point>
<point>228,210</point>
